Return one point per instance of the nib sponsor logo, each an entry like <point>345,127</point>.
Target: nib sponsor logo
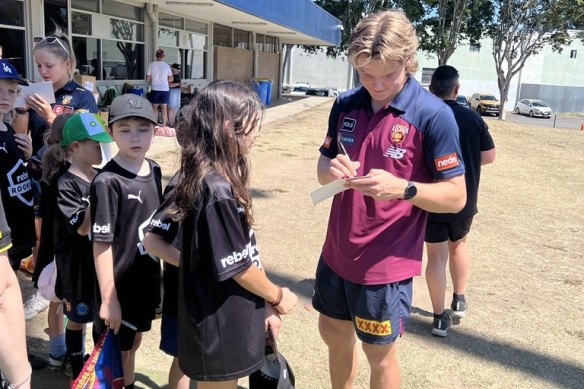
<point>97,229</point>
<point>446,162</point>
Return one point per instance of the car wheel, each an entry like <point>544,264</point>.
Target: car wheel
<point>517,111</point>
<point>479,110</point>
<point>530,114</point>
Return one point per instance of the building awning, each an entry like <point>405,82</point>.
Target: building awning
<point>292,21</point>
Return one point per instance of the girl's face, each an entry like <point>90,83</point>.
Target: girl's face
<point>133,137</point>
<point>52,68</point>
<point>250,135</point>
<point>87,152</point>
<point>8,94</point>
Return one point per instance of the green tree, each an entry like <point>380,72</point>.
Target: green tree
<point>444,24</point>
<point>521,28</point>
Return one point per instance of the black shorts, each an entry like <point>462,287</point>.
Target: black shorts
<point>159,97</point>
<point>126,335</point>
<point>379,313</point>
<point>443,231</point>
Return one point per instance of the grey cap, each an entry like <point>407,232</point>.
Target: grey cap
<point>129,105</point>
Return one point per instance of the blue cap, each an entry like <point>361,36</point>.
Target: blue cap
<point>9,72</point>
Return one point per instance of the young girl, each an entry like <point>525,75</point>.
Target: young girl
<point>226,300</point>
<point>73,249</point>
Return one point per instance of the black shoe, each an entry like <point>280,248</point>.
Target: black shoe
<point>36,362</point>
<point>459,308</point>
<point>441,324</point>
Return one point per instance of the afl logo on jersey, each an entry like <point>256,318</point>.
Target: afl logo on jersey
<point>349,125</point>
<point>398,133</point>
<point>66,100</point>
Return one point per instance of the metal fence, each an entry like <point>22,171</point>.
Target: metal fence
<point>560,98</point>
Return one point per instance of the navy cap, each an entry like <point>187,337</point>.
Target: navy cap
<point>9,72</point>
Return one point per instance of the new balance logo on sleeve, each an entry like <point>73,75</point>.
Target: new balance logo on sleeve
<point>135,197</point>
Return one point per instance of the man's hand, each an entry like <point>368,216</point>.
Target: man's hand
<point>379,184</point>
<point>341,166</point>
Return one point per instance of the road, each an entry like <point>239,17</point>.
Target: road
<point>573,122</point>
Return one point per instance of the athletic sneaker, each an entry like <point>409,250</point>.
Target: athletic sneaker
<point>34,305</point>
<point>459,308</point>
<point>441,324</point>
<point>56,364</point>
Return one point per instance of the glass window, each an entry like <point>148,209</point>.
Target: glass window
<point>88,57</point>
<point>241,39</point>
<point>167,37</point>
<point>194,26</point>
<point>123,60</point>
<point>427,75</point>
<point>222,35</point>
<point>12,13</point>
<point>172,55</point>
<point>86,5</point>
<point>170,21</point>
<point>270,45</point>
<point>126,30</point>
<point>13,48</point>
<point>55,14</point>
<point>121,10</point>
<point>196,64</point>
<point>260,42</point>
<point>81,23</point>
<point>198,42</point>
<point>474,49</point>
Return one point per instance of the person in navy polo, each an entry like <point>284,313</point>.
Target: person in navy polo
<point>401,143</point>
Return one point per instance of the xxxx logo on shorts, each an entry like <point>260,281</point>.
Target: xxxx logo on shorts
<point>378,328</point>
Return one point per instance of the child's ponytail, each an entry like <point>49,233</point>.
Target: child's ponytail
<point>55,156</point>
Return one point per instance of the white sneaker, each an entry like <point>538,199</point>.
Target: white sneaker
<point>34,305</point>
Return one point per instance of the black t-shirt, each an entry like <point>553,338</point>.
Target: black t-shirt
<point>175,79</point>
<point>221,324</point>
<point>122,204</point>
<point>16,191</point>
<point>73,252</point>
<point>474,137</point>
<point>164,224</point>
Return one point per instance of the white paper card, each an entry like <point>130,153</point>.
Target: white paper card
<point>44,89</point>
<point>331,189</point>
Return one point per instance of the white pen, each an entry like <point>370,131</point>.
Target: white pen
<point>342,148</point>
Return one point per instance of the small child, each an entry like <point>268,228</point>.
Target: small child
<point>16,189</point>
<point>73,250</point>
<point>226,300</point>
<point>124,196</point>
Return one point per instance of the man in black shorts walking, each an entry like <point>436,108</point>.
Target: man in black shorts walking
<point>446,232</point>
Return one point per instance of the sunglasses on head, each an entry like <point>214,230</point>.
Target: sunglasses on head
<point>51,40</point>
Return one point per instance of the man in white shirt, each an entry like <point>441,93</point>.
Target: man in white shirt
<point>158,76</point>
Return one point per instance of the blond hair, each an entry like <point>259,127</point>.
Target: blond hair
<point>386,36</point>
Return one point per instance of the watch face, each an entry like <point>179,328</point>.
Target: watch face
<point>411,191</point>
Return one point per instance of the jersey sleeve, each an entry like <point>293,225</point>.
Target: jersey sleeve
<point>104,209</point>
<point>163,222</point>
<point>487,142</point>
<point>71,205</point>
<point>442,145</point>
<point>329,146</point>
<point>229,243</point>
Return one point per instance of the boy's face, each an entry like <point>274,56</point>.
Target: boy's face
<point>8,94</point>
<point>382,80</point>
<point>132,136</point>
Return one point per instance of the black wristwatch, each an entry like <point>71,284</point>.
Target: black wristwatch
<point>410,191</point>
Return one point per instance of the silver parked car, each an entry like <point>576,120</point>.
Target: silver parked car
<point>533,108</point>
<point>462,100</point>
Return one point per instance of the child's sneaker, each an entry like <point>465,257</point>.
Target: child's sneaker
<point>56,364</point>
<point>441,324</point>
<point>34,305</point>
<point>459,307</point>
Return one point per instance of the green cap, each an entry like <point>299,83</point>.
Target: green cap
<point>83,126</point>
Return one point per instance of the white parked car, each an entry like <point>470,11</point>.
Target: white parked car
<point>299,88</point>
<point>533,108</point>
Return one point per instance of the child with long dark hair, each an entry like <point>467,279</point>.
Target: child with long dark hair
<point>226,301</point>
